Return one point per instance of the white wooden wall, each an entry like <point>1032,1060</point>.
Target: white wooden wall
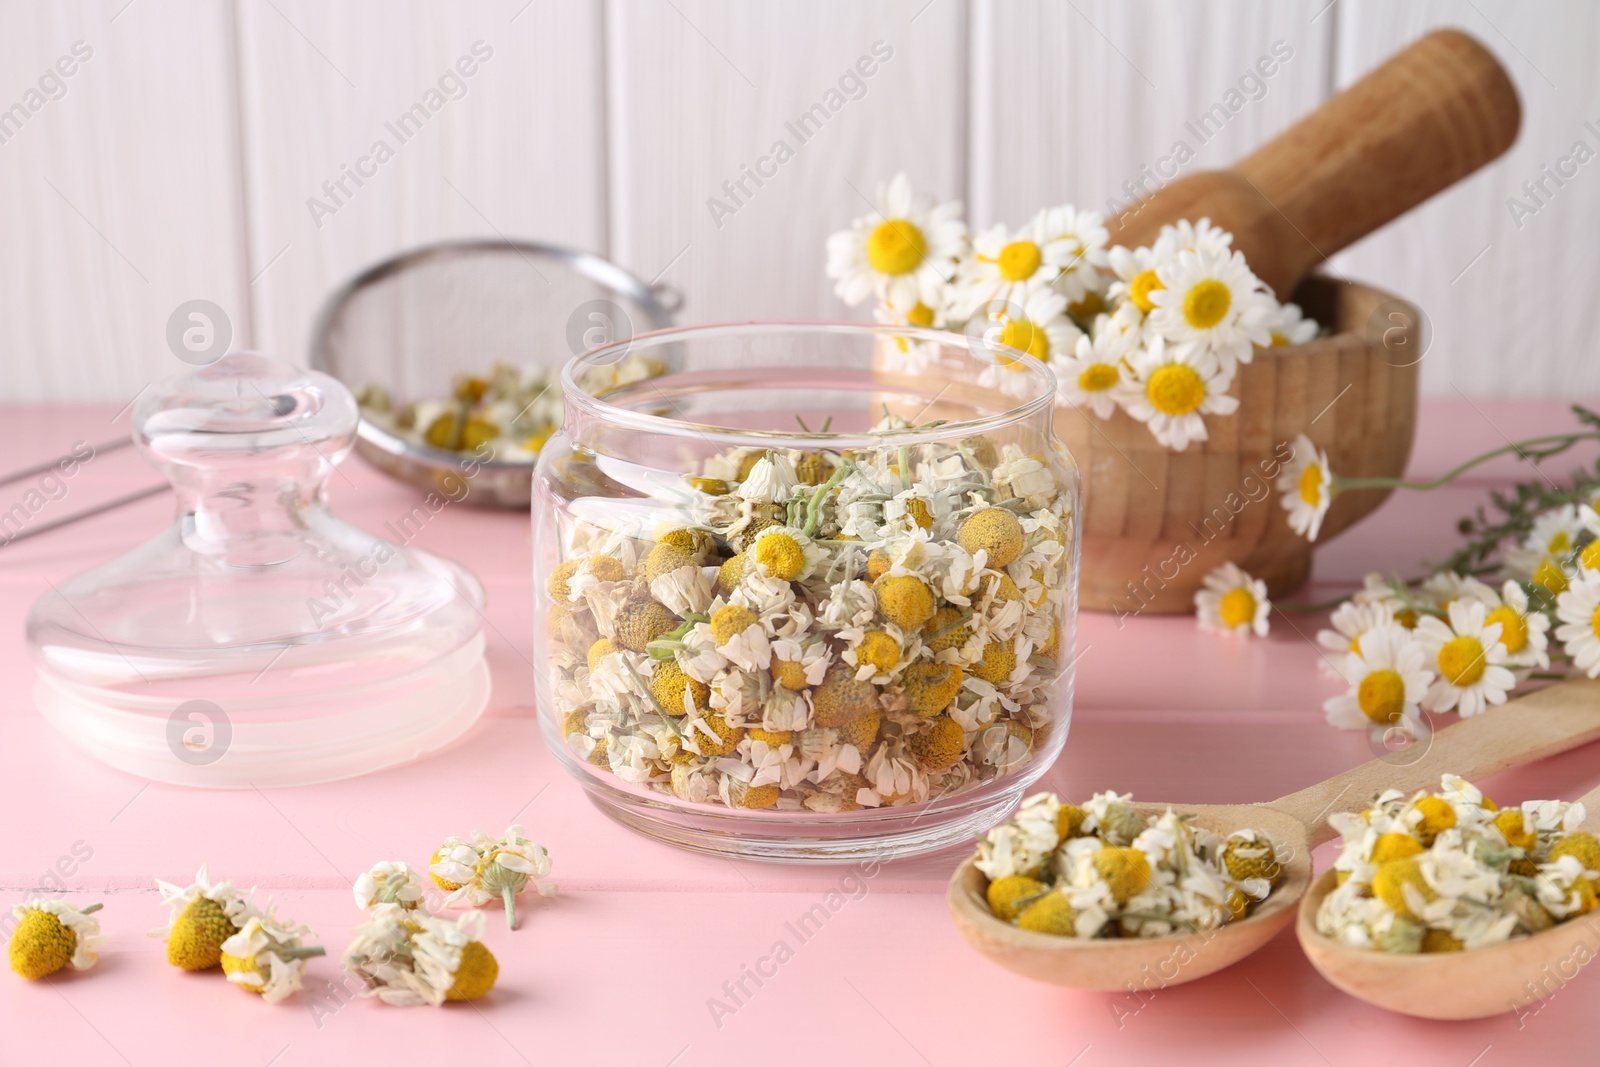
<point>178,163</point>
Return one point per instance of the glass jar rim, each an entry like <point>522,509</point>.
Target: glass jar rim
<point>1040,399</point>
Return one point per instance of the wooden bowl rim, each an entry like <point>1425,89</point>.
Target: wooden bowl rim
<point>1313,939</point>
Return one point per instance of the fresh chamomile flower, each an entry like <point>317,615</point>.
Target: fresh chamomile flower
<point>204,915</point>
<point>1291,327</point>
<point>389,882</point>
<point>1306,485</point>
<point>1232,602</point>
<point>911,356</point>
<point>1078,239</point>
<point>1136,271</point>
<point>498,868</point>
<point>1545,555</point>
<point>1524,630</point>
<point>1058,245</point>
<point>1090,375</point>
<point>1391,593</point>
<point>1468,656</point>
<point>1039,327</point>
<point>267,956</point>
<point>1349,621</point>
<point>51,934</point>
<point>1186,236</point>
<point>1211,299</point>
<point>1387,679</point>
<point>905,250</point>
<point>1172,388</point>
<point>1443,588</point>
<point>1588,557</point>
<point>1578,609</point>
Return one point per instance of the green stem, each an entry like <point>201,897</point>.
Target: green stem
<point>300,952</point>
<point>509,895</point>
<point>814,508</point>
<point>1545,446</point>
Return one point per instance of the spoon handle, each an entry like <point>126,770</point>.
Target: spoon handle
<point>1524,730</point>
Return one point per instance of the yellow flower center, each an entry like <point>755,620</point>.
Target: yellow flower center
<point>41,945</point>
<point>1551,577</point>
<point>1019,260</point>
<point>1175,389</point>
<point>1513,628</point>
<point>896,247</point>
<point>1279,340</point>
<point>475,974</point>
<point>1589,558</point>
<point>781,555</point>
<point>1102,376</point>
<point>1461,661</point>
<point>1311,484</point>
<point>1144,283</point>
<point>920,315</point>
<point>1560,544</point>
<point>1238,608</point>
<point>1382,696</point>
<point>1437,817</point>
<point>1594,622</point>
<point>878,649</point>
<point>1087,308</point>
<point>1206,304</point>
<point>791,674</point>
<point>1024,335</point>
<point>729,621</point>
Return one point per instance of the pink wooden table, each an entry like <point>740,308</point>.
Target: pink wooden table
<point>623,966</point>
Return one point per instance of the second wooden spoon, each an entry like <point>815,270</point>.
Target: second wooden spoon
<point>1522,731</point>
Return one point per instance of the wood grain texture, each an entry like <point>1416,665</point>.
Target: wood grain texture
<point>1157,521</point>
<point>700,90</point>
<point>1463,258</point>
<point>517,151</point>
<point>1429,115</point>
<point>119,199</point>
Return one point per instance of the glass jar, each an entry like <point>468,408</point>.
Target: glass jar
<point>806,591</point>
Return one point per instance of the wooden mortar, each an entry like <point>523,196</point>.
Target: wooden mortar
<point>1156,521</point>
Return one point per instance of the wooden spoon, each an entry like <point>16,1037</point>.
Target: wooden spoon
<point>1431,115</point>
<point>1521,731</point>
<point>1515,976</point>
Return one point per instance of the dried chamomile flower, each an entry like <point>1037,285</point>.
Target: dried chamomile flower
<point>491,868</point>
<point>1451,872</point>
<point>1104,870</point>
<point>204,915</point>
<point>389,882</point>
<point>408,958</point>
<point>50,934</point>
<point>267,956</point>
<point>810,633</point>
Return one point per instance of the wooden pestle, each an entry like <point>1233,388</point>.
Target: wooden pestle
<point>1432,114</point>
